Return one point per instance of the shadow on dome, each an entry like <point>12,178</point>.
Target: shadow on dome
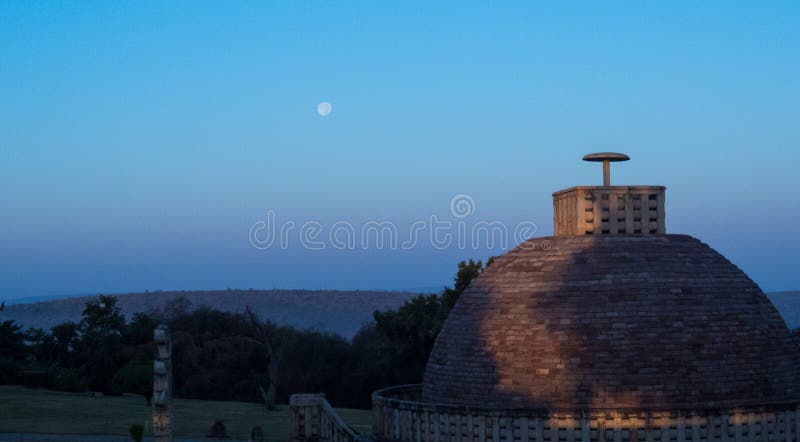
<point>658,322</point>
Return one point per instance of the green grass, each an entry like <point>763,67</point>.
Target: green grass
<point>45,411</point>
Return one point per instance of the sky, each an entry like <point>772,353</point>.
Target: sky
<point>143,143</point>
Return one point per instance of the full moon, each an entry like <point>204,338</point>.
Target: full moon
<point>324,108</point>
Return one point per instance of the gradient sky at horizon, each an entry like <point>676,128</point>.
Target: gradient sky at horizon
<point>139,141</point>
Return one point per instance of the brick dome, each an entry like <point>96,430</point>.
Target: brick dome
<point>613,321</point>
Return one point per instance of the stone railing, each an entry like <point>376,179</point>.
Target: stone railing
<point>588,210</point>
<point>314,420</point>
<point>400,416</point>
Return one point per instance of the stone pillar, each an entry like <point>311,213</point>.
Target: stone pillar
<point>162,385</point>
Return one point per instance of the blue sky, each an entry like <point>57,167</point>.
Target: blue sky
<point>140,141</point>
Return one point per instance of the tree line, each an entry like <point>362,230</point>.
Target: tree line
<point>229,356</point>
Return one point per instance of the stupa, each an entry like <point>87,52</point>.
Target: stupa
<point>610,330</point>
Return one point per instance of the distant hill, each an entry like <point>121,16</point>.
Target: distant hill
<point>341,312</point>
<point>32,299</point>
<point>788,304</point>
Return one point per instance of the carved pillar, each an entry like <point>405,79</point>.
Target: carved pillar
<point>162,385</point>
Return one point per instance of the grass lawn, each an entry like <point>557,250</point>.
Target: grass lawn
<point>44,411</point>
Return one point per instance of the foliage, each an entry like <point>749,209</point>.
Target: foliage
<point>410,331</point>
<point>9,371</point>
<point>317,362</point>
<point>140,329</point>
<point>222,356</point>
<point>66,339</point>
<point>12,341</point>
<point>102,317</point>
<point>101,339</point>
<point>136,377</point>
<point>68,379</point>
<point>217,431</point>
<point>270,341</point>
<point>137,432</point>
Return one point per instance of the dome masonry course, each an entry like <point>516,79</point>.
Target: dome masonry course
<point>617,321</point>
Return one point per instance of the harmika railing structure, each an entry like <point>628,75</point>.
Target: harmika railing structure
<point>400,416</point>
<point>315,420</point>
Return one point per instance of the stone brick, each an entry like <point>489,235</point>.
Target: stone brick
<point>644,321</point>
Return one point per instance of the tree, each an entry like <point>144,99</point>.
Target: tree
<point>12,351</point>
<point>225,356</point>
<point>42,346</point>
<point>137,432</point>
<point>273,353</point>
<point>371,367</point>
<point>12,340</point>
<point>102,317</point>
<point>320,362</point>
<point>467,272</point>
<point>66,339</point>
<point>411,330</point>
<point>177,307</point>
<point>136,377</point>
<point>140,330</point>
<point>100,340</point>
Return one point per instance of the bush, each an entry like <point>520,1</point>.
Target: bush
<point>37,379</point>
<point>136,378</point>
<point>9,371</point>
<point>137,432</point>
<point>217,431</point>
<point>69,379</point>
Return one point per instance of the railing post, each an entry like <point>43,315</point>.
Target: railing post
<point>314,420</point>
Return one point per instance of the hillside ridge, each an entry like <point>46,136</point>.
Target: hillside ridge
<point>336,311</point>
